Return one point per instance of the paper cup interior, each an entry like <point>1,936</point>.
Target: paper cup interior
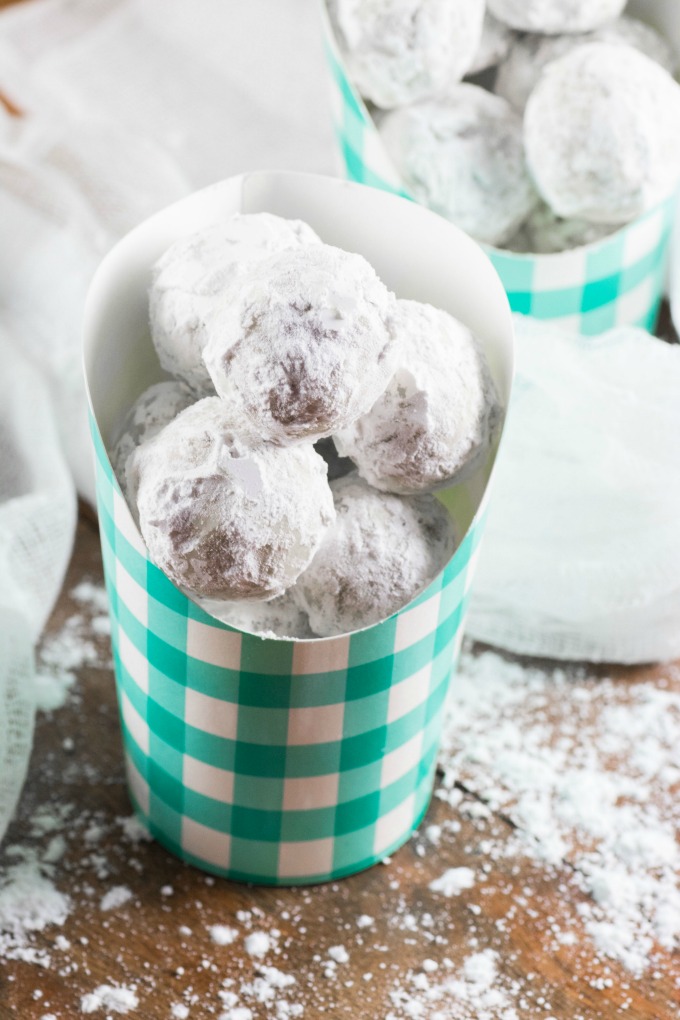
<point>416,253</point>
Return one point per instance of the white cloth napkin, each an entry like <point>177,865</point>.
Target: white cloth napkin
<point>581,556</point>
<point>37,523</point>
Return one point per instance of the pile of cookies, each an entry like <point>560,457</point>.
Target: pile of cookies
<point>567,130</point>
<point>273,342</point>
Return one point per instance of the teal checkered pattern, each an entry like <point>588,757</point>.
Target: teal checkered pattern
<point>618,281</point>
<point>270,761</point>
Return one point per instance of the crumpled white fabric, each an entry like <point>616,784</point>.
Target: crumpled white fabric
<point>68,189</point>
<point>222,87</point>
<point>581,555</point>
<point>37,523</point>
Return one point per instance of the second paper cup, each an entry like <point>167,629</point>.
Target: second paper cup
<point>265,760</point>
<point>617,281</point>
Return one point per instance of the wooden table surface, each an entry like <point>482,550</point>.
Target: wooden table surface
<point>159,939</point>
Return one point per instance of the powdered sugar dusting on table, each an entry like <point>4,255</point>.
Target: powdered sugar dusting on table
<point>556,808</point>
<point>588,771</point>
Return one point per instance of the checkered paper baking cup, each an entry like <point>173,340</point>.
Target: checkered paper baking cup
<point>274,761</point>
<point>618,281</point>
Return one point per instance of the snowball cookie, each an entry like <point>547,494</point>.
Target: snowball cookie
<point>530,54</point>
<point>494,45</point>
<point>601,133</point>
<point>279,618</point>
<point>545,233</point>
<point>305,344</point>
<point>398,51</point>
<point>192,276</point>
<point>554,16</point>
<point>224,514</point>
<point>380,553</point>
<point>150,413</point>
<point>463,156</point>
<point>434,423</point>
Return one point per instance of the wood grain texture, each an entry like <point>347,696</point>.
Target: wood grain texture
<point>159,940</point>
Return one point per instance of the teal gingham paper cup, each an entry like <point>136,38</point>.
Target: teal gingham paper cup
<point>617,281</point>
<point>264,760</point>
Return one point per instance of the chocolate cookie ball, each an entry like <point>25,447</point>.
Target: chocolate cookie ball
<point>398,51</point>
<point>434,424</point>
<point>305,344</point>
<point>554,16</point>
<point>151,412</point>
<point>530,54</point>
<point>223,513</point>
<point>464,157</point>
<point>601,134</point>
<point>379,554</point>
<point>190,280</point>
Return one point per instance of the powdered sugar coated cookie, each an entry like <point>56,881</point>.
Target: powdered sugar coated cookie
<point>380,552</point>
<point>434,423</point>
<point>191,277</point>
<point>531,54</point>
<point>305,344</point>
<point>224,514</point>
<point>601,133</point>
<point>554,16</point>
<point>464,157</point>
<point>398,51</point>
<point>151,412</point>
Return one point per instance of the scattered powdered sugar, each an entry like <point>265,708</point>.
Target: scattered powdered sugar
<point>237,1013</point>
<point>115,897</point>
<point>72,647</point>
<point>338,954</point>
<point>588,771</point>
<point>453,881</point>
<point>134,829</point>
<point>29,902</point>
<point>258,943</point>
<point>475,990</point>
<point>92,595</point>
<point>268,991</point>
<point>222,935</point>
<point>112,998</point>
